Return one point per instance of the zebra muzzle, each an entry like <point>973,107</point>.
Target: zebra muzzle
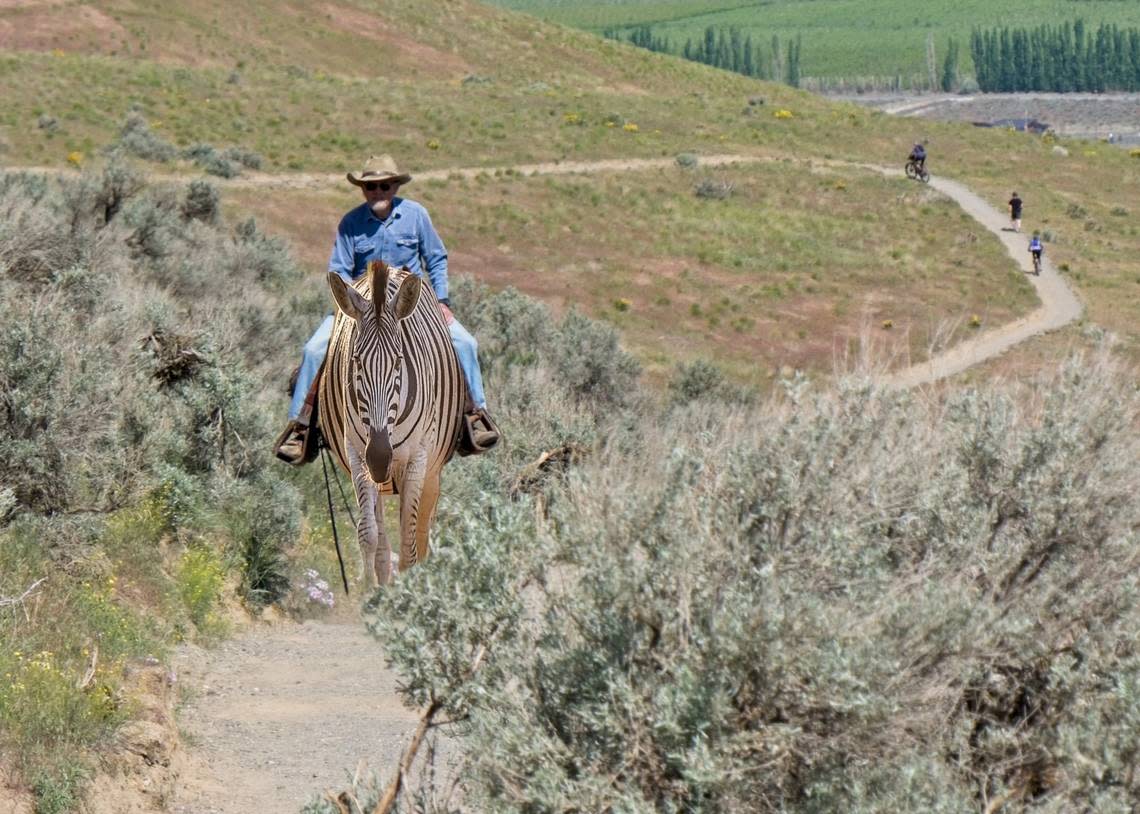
<point>378,455</point>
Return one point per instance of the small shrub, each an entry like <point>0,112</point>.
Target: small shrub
<point>137,139</point>
<point>117,184</point>
<point>155,226</point>
<point>590,364</point>
<point>687,161</point>
<point>200,576</point>
<point>263,518</point>
<point>262,257</point>
<point>201,202</point>
<point>47,123</point>
<point>246,158</point>
<point>210,161</point>
<point>32,453</point>
<point>59,790</point>
<point>713,189</point>
<point>512,328</point>
<point>696,380</point>
<point>1120,211</point>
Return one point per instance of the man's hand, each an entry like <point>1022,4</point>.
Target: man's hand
<point>448,317</point>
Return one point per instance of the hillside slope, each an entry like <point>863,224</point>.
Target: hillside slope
<point>453,83</point>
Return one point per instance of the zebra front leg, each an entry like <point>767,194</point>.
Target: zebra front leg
<point>370,525</point>
<point>411,491</point>
<point>425,514</point>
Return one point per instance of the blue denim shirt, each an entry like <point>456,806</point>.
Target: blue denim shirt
<point>405,238</point>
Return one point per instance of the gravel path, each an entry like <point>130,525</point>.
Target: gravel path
<point>1059,305</point>
<point>283,712</point>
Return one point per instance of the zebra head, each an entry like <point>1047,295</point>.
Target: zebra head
<point>376,361</point>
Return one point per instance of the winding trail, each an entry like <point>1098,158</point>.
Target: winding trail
<point>1059,304</point>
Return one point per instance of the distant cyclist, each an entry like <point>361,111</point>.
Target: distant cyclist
<point>1036,247</point>
<point>918,156</point>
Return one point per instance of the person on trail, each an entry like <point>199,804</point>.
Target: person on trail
<point>918,156</point>
<point>399,232</point>
<point>1036,247</point>
<point>1015,212</point>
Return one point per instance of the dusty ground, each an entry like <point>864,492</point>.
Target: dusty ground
<point>1075,115</point>
<point>283,712</point>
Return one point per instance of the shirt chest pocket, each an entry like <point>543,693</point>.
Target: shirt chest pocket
<point>362,250</point>
<point>404,252</point>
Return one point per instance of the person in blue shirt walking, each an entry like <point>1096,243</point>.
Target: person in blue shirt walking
<point>398,231</point>
<point>1036,247</point>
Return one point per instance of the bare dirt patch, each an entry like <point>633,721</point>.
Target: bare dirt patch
<point>49,26</point>
<point>283,712</point>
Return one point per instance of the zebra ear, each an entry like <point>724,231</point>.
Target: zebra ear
<point>348,298</point>
<point>408,296</point>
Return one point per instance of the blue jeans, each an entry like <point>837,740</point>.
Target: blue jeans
<point>466,348</point>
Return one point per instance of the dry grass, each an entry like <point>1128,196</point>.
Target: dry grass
<point>766,278</point>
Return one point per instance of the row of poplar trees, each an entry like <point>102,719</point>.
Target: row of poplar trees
<point>1059,58</point>
<point>725,49</point>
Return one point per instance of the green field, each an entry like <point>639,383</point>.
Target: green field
<point>841,38</point>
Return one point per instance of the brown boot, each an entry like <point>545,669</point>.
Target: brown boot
<point>290,446</point>
<point>480,433</point>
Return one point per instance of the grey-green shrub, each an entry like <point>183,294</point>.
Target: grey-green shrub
<point>207,157</point>
<point>137,139</point>
<point>590,365</point>
<point>702,379</point>
<point>201,202</point>
<point>858,601</point>
<point>512,328</point>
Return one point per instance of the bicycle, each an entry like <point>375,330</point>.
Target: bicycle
<point>1036,263</point>
<point>916,172</point>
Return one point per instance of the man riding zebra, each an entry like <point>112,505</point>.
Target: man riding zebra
<point>399,233</point>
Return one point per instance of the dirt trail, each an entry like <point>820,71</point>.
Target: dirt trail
<point>1059,305</point>
<point>285,711</point>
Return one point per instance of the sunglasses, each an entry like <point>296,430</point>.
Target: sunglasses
<point>383,186</point>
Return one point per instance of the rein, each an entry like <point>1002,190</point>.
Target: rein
<point>332,516</point>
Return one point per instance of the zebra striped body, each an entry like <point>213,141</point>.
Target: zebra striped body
<point>391,406</point>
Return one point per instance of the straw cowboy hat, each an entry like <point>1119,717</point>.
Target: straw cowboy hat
<point>378,168</point>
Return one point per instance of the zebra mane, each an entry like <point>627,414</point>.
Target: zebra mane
<point>378,280</point>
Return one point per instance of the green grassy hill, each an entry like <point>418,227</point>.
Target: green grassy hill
<point>841,38</point>
<point>460,84</point>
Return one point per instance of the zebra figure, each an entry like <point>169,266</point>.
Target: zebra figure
<point>391,406</point>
